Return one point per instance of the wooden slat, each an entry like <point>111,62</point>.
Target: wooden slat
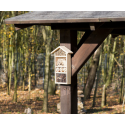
<point>88,48</point>
<point>114,25</point>
<point>69,100</point>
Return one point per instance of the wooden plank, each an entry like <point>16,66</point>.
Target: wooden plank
<point>88,47</point>
<point>67,16</point>
<point>71,26</point>
<point>52,21</point>
<point>117,19</point>
<point>113,25</point>
<point>48,22</point>
<point>68,39</point>
<point>76,26</point>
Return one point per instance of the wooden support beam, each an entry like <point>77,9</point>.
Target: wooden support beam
<point>68,96</point>
<point>92,26</point>
<point>75,26</point>
<point>84,37</point>
<point>70,26</point>
<point>88,47</point>
<point>113,25</point>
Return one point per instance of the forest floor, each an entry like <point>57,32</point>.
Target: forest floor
<point>112,105</point>
<point>7,106</point>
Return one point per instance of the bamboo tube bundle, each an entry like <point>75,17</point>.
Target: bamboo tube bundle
<point>61,78</point>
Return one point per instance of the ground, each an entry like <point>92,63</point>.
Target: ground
<point>7,106</point>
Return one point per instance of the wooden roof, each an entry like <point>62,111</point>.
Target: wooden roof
<point>63,48</point>
<point>48,17</point>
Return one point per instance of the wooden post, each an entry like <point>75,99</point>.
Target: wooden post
<point>68,96</point>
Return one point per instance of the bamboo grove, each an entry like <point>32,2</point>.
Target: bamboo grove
<point>18,65</point>
<point>19,51</point>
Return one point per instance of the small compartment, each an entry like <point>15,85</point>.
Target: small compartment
<point>61,61</point>
<point>60,77</point>
<point>61,69</point>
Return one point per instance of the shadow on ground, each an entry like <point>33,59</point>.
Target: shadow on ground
<point>90,111</point>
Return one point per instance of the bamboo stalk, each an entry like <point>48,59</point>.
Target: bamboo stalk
<point>98,73</point>
<point>15,70</point>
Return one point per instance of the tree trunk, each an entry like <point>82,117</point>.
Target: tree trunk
<point>47,36</point>
<point>92,73</point>
<point>103,96</point>
<point>98,74</point>
<point>111,63</point>
<point>15,70</point>
<point>121,99</point>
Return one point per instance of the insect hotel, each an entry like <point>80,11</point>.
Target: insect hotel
<point>62,59</point>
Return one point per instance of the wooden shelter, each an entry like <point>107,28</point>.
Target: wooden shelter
<point>97,26</point>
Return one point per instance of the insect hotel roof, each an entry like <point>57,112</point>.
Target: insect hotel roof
<point>63,48</point>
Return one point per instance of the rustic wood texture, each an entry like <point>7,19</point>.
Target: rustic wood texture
<point>65,99</point>
<point>68,38</point>
<point>48,17</point>
<point>87,48</point>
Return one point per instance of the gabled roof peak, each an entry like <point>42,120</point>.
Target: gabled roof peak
<point>63,48</point>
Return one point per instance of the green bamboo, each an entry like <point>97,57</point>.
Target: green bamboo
<point>47,33</point>
<point>98,73</point>
<point>123,76</point>
<point>15,70</point>
<point>111,63</point>
<point>10,65</point>
<point>103,96</point>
